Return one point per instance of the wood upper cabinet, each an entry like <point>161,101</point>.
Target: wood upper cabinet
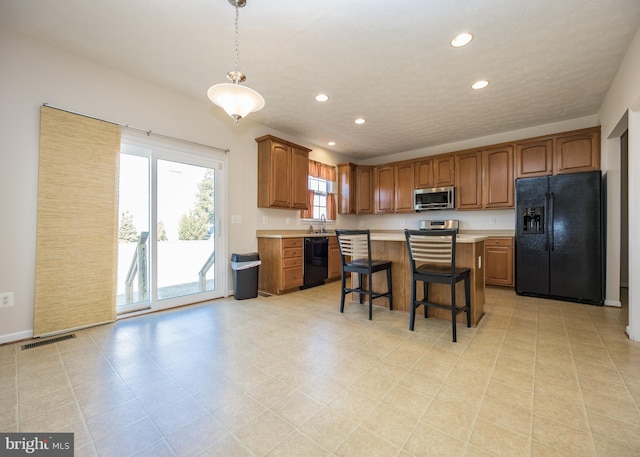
<point>444,170</point>
<point>497,177</point>
<point>469,180</point>
<point>393,188</point>
<point>577,152</point>
<point>568,152</point>
<point>299,178</point>
<point>347,188</point>
<point>403,174</point>
<point>384,189</point>
<point>534,158</point>
<point>364,190</point>
<point>423,178</point>
<point>498,261</point>
<point>483,177</point>
<point>282,173</point>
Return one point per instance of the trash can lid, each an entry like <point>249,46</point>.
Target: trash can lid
<point>250,257</point>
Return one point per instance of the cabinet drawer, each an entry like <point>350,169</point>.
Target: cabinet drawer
<point>292,262</point>
<point>506,242</point>
<point>291,252</point>
<point>292,243</point>
<point>291,277</point>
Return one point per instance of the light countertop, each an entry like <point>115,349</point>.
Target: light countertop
<point>382,235</point>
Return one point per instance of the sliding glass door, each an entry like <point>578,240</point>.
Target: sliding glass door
<point>171,250</point>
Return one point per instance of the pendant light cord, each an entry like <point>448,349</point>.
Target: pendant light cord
<point>237,41</point>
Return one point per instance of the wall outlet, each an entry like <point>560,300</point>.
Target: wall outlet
<point>288,220</point>
<point>492,220</point>
<point>6,299</point>
<point>361,223</point>
<point>236,219</point>
<point>265,220</point>
<point>401,222</point>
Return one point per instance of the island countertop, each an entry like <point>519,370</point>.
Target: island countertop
<point>382,235</point>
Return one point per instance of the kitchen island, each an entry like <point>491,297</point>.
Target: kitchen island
<point>393,247</point>
<point>277,274</point>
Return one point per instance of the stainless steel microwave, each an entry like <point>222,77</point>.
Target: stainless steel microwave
<point>434,198</point>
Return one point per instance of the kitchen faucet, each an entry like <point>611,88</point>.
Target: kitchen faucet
<point>323,220</point>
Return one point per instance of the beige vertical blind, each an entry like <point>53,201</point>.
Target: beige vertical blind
<point>76,246</point>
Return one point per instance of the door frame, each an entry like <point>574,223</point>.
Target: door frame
<point>197,155</point>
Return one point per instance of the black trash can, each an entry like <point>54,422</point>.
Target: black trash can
<point>245,275</point>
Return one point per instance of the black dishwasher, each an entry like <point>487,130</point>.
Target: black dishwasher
<point>316,261</point>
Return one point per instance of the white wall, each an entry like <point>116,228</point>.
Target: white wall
<point>620,110</point>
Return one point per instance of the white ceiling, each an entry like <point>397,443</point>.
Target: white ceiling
<point>389,62</point>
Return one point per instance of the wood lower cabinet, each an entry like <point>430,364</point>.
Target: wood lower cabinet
<point>282,264</point>
<point>335,264</point>
<point>498,258</point>
<point>283,169</point>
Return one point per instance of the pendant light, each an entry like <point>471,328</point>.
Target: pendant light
<point>238,101</point>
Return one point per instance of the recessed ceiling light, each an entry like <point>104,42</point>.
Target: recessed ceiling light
<point>461,40</point>
<point>322,97</point>
<point>360,121</point>
<point>480,84</point>
<point>331,143</point>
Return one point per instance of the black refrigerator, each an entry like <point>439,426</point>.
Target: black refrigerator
<point>560,237</point>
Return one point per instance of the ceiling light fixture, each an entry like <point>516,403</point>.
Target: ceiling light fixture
<point>360,121</point>
<point>480,84</point>
<point>322,98</point>
<point>331,143</point>
<point>238,101</point>
<point>461,40</point>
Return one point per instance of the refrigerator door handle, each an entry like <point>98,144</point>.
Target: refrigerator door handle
<point>551,222</point>
<point>546,212</point>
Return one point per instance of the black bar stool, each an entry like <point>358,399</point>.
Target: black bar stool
<point>355,252</point>
<point>432,254</point>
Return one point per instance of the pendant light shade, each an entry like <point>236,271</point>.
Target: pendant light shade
<point>237,101</point>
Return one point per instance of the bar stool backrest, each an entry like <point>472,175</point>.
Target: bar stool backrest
<point>432,248</point>
<point>354,244</point>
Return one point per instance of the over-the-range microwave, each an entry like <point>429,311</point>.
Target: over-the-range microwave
<point>434,198</point>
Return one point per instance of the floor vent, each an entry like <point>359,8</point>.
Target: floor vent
<point>49,341</point>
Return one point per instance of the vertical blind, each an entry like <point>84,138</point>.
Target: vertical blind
<point>76,245</point>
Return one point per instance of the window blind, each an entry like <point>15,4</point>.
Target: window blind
<point>76,244</point>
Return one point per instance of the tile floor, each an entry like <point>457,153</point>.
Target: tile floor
<point>291,376</point>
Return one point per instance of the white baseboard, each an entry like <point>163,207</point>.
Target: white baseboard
<point>18,336</point>
<point>614,303</point>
